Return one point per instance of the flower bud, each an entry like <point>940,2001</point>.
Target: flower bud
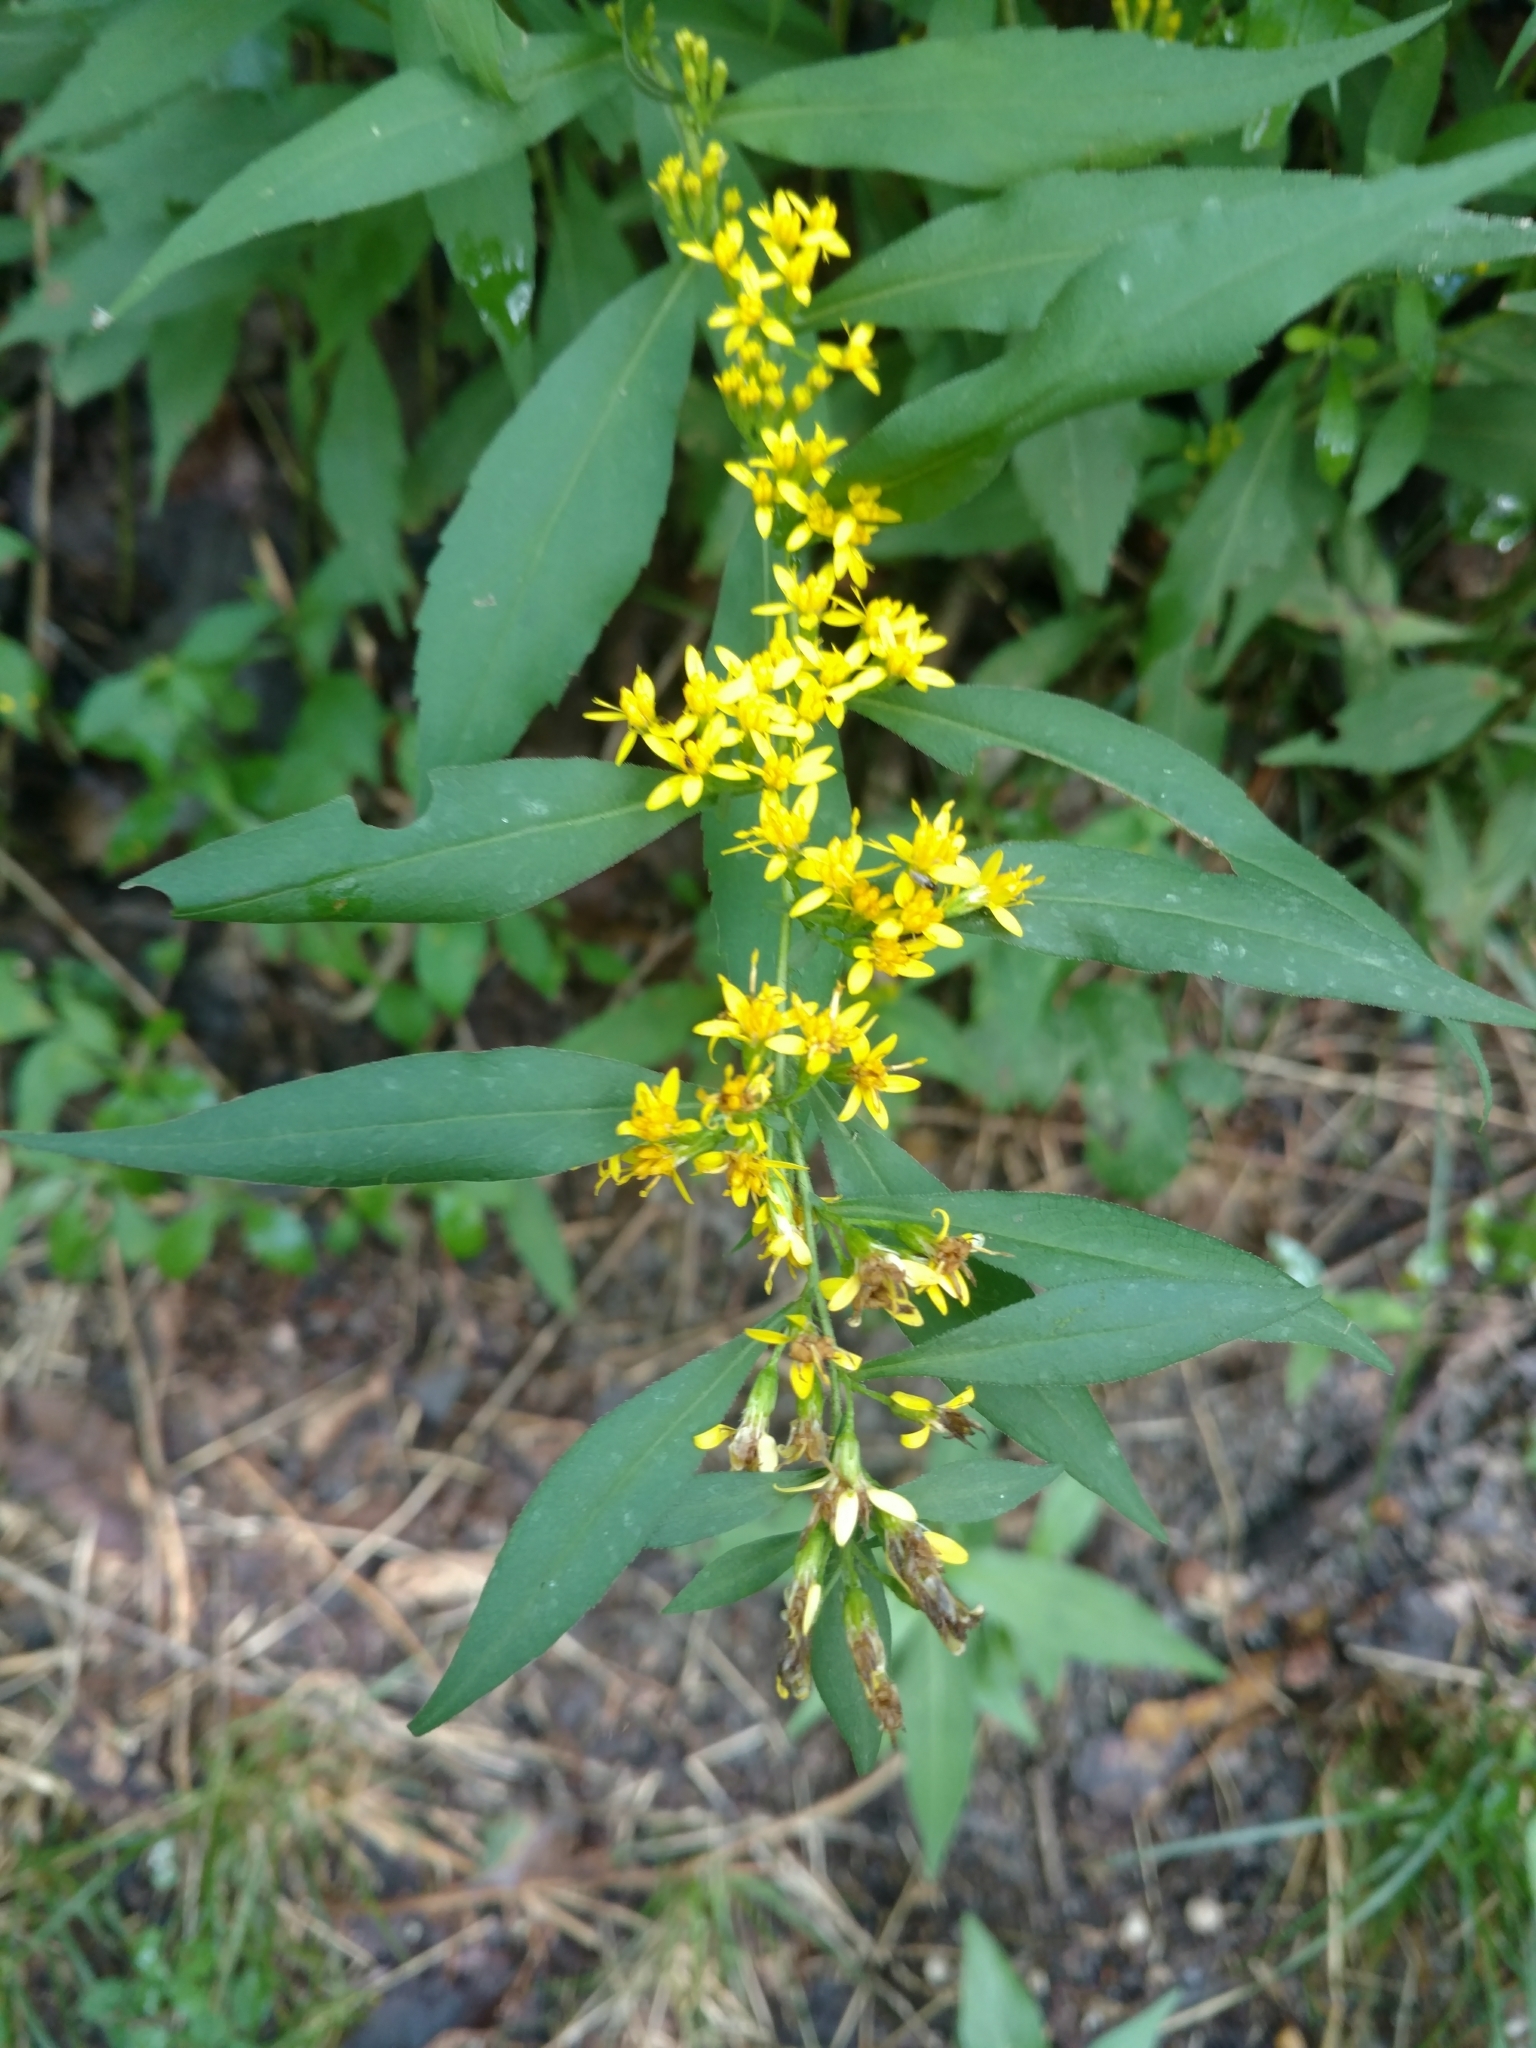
<point>802,1603</point>
<point>752,1447</point>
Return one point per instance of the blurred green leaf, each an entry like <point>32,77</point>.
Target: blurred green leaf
<point>995,2009</point>
<point>406,134</point>
<point>1421,716</point>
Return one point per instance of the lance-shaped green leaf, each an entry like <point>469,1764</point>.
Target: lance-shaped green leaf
<point>510,1115</point>
<point>494,839</point>
<point>1421,715</point>
<point>1066,1240</point>
<point>988,110</point>
<point>953,725</point>
<point>1081,1336</point>
<point>1177,303</point>
<point>1162,915</point>
<point>1055,1611</point>
<point>744,1569</point>
<point>557,523</point>
<point>976,1489</point>
<point>938,1701</point>
<point>585,1523</point>
<point>408,133</point>
<point>139,57</point>
<point>994,266</point>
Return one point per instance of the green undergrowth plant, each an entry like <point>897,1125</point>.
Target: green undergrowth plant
<point>199,1918</point>
<point>955,191</point>
<point>1429,1913</point>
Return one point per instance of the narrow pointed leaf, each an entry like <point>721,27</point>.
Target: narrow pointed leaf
<point>746,1568</point>
<point>1163,915</point>
<point>408,133</point>
<point>995,266</point>
<point>1057,1611</point>
<point>988,110</point>
<point>1175,304</point>
<point>938,1703</point>
<point>585,1523</point>
<point>138,58</point>
<point>953,725</point>
<point>995,2007</point>
<point>510,1115</point>
<point>1080,1336</point>
<point>494,839</point>
<point>557,523</point>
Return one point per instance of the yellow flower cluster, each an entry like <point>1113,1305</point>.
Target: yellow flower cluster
<point>767,723</point>
<point>1157,18</point>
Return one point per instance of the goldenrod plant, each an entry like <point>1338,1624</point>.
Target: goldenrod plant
<point>1026,324</point>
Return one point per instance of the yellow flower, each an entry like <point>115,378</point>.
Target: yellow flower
<point>818,1036</point>
<point>935,846</point>
<point>654,1116</point>
<point>781,829</point>
<point>712,1438</point>
<point>746,1173</point>
<point>855,355</point>
<point>991,888</point>
<point>885,953</point>
<point>806,601</point>
<point>834,868</point>
<point>751,1017</point>
<point>697,759</point>
<point>750,313</point>
<point>898,644</point>
<point>916,914</point>
<point>736,1101</point>
<point>765,493</point>
<point>789,771</point>
<point>636,708</point>
<point>870,1079</point>
<point>943,1416</point>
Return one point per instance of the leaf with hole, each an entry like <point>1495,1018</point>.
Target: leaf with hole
<point>493,839</point>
